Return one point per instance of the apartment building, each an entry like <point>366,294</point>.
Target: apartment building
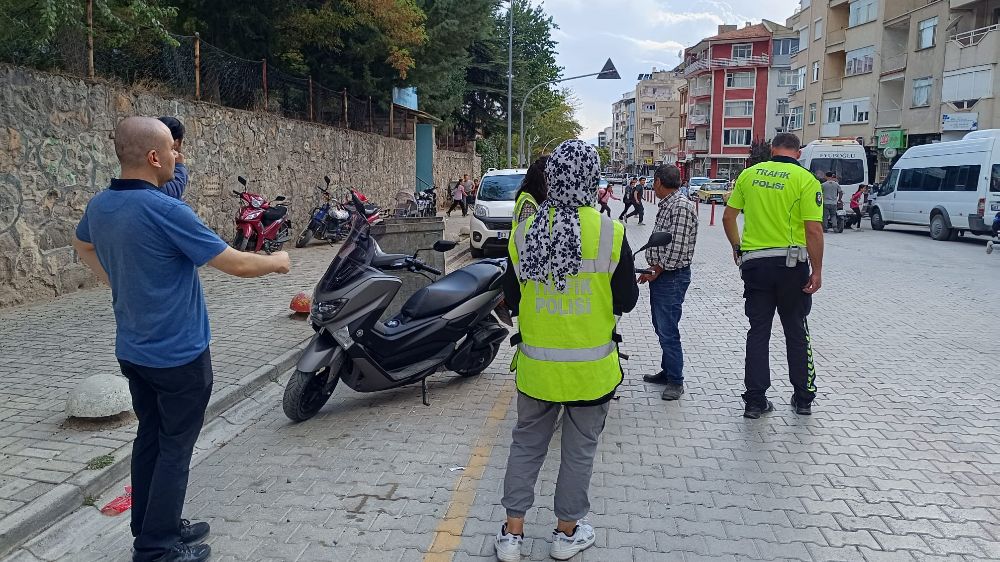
<point>970,79</point>
<point>623,133</point>
<point>737,92</point>
<point>602,138</point>
<point>658,114</point>
<point>870,70</point>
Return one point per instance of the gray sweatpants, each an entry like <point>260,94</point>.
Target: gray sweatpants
<point>536,422</point>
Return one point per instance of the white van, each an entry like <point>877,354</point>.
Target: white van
<point>949,187</point>
<point>493,211</point>
<point>844,157</point>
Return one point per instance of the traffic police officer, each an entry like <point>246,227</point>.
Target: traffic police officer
<point>782,204</point>
<point>570,275</point>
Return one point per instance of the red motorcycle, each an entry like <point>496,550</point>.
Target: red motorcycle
<point>259,224</point>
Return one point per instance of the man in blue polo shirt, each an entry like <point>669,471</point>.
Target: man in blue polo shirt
<point>148,246</point>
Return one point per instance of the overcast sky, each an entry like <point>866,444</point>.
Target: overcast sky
<point>638,35</point>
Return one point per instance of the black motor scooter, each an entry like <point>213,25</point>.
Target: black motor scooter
<point>449,323</point>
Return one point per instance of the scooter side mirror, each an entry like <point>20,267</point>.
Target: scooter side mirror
<point>242,180</point>
<point>444,245</point>
<point>279,198</point>
<point>656,240</point>
<point>327,178</point>
<point>359,206</point>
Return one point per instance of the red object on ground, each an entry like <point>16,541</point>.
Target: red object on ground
<point>119,505</point>
<point>301,303</point>
<point>711,220</point>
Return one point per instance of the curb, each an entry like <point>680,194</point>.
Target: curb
<point>34,518</point>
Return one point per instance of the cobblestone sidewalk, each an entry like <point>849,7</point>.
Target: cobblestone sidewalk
<point>901,460</point>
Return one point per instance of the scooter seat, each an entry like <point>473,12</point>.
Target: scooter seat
<point>451,290</point>
<point>274,213</point>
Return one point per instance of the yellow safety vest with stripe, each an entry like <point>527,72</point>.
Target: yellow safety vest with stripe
<point>523,198</point>
<point>567,352</point>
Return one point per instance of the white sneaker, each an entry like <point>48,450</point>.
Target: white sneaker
<point>989,247</point>
<point>564,548</point>
<point>508,546</point>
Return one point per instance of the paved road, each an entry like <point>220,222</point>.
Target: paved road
<point>901,460</point>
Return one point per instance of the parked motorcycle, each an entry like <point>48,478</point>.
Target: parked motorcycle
<point>422,204</point>
<point>259,224</point>
<point>449,323</point>
<point>327,221</point>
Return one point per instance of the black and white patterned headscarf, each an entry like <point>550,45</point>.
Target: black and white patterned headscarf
<point>552,249</point>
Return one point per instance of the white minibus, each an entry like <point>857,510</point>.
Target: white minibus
<point>844,157</point>
<point>949,187</point>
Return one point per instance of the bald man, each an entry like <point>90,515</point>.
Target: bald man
<point>148,246</point>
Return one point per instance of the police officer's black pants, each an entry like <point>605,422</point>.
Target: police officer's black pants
<point>770,286</point>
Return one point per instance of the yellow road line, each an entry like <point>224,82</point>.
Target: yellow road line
<point>448,535</point>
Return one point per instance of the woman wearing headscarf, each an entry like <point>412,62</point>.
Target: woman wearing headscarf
<point>532,192</point>
<point>572,268</point>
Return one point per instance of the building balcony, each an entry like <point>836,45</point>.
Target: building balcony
<point>781,60</point>
<point>700,145</point>
<point>836,37</point>
<point>894,63</point>
<point>700,91</point>
<point>975,47</point>
<point>889,118</point>
<point>697,120</point>
<point>833,84</point>
<point>962,4</point>
<point>704,65</point>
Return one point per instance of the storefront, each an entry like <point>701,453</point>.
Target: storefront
<point>890,145</point>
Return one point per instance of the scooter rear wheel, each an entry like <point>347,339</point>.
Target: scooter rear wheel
<point>304,238</point>
<point>306,393</point>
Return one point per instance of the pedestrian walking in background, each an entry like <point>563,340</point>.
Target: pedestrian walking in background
<point>782,205</point>
<point>637,207</point>
<point>670,276</point>
<point>532,192</point>
<point>148,246</point>
<point>856,201</point>
<point>833,195</point>
<point>470,197</point>
<point>175,187</point>
<point>572,269</point>
<point>628,198</point>
<point>604,196</point>
<point>458,198</point>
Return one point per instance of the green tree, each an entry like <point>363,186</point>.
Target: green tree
<point>605,155</point>
<point>760,151</point>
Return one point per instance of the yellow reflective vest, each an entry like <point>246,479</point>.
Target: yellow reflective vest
<point>567,352</point>
<point>523,198</point>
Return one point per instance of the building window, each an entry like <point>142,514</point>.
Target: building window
<point>815,75</point>
<point>801,78</point>
<point>833,114</point>
<point>862,11</point>
<point>925,33</point>
<point>742,108</point>
<point>859,112</point>
<point>739,79</point>
<point>787,78</point>
<point>812,114</point>
<point>922,91</point>
<point>736,137</point>
<point>795,122</point>
<point>782,108</point>
<point>860,61</point>
<point>786,46</point>
<point>742,51</point>
<point>968,84</point>
<point>818,29</point>
<point>649,107</point>
<point>804,37</point>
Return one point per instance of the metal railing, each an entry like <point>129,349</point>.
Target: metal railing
<point>893,63</point>
<point>712,64</point>
<point>973,37</point>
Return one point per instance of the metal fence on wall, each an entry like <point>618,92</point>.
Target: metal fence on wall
<point>195,69</point>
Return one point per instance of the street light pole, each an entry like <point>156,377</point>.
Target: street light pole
<point>607,73</point>
<point>510,81</point>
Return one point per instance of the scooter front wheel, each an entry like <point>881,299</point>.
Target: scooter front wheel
<point>304,238</point>
<point>306,393</point>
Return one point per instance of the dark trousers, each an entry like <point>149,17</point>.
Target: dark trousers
<point>459,203</point>
<point>637,209</point>
<point>666,300</point>
<point>170,404</point>
<point>605,208</point>
<point>856,219</point>
<point>628,203</point>
<point>770,286</point>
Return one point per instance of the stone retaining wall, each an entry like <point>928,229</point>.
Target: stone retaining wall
<point>56,152</point>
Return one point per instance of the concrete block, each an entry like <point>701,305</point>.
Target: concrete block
<point>99,396</point>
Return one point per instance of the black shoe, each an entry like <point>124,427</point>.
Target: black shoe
<point>181,552</point>
<point>802,409</point>
<point>658,378</point>
<point>193,532</point>
<point>673,391</point>
<point>754,411</point>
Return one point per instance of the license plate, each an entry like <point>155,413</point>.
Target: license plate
<point>995,207</point>
<point>503,235</point>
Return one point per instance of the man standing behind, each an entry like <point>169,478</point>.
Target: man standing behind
<point>832,195</point>
<point>148,247</point>
<point>175,187</point>
<point>671,276</point>
<point>782,205</point>
<point>637,194</point>
<point>628,198</point>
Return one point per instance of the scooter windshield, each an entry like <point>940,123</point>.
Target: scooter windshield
<point>354,256</point>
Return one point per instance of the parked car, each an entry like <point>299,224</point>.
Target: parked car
<point>717,190</point>
<point>493,211</point>
<point>694,184</point>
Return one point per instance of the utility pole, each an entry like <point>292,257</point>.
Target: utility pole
<point>510,82</point>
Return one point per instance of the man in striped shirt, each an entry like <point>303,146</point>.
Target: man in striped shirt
<point>670,276</point>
